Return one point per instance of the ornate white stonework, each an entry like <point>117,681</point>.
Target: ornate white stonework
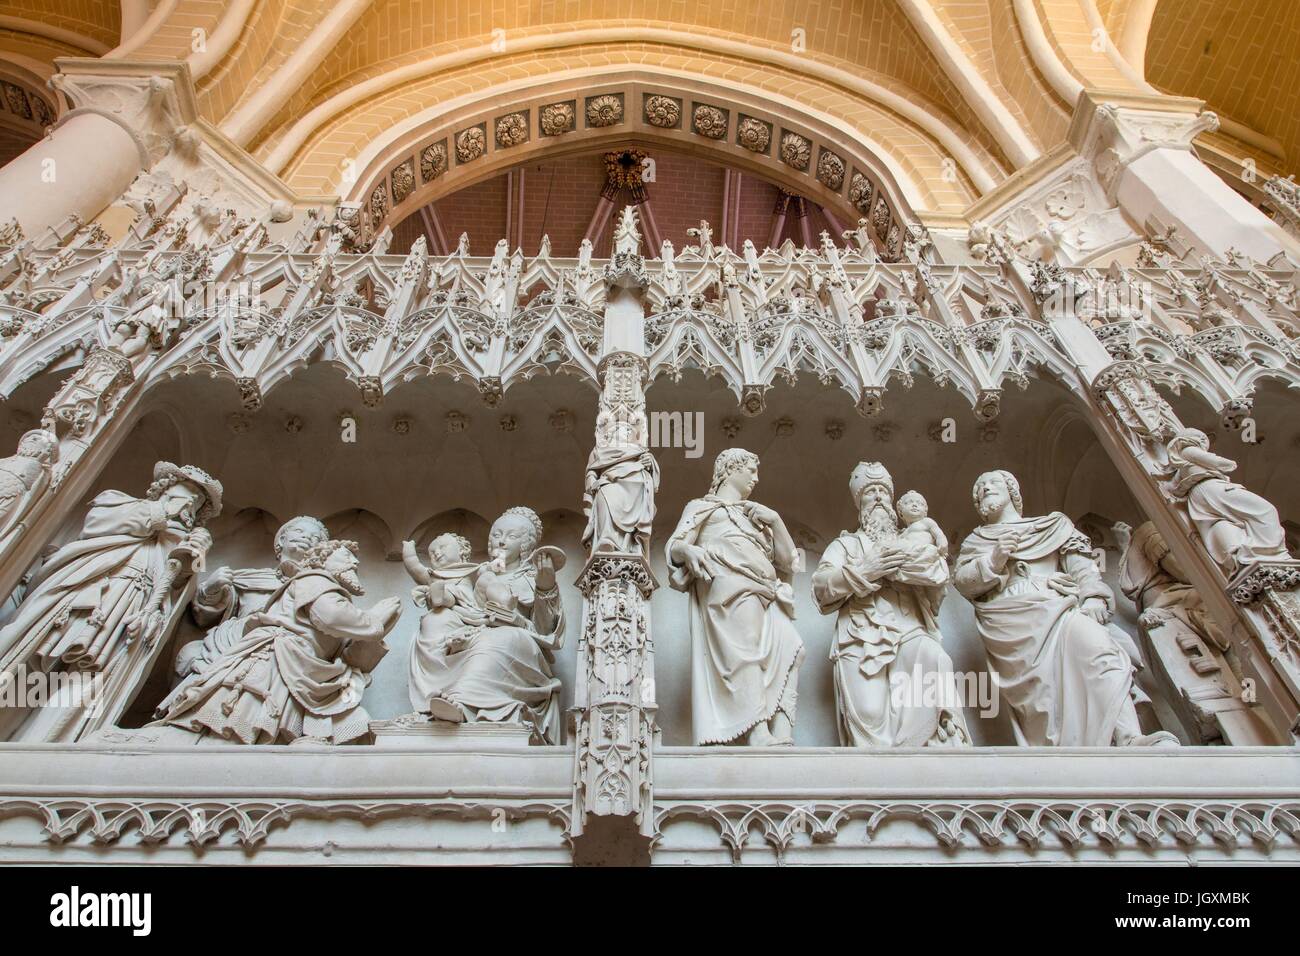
<point>486,448</point>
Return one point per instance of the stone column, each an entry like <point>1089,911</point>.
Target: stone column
<point>1141,150</point>
<point>82,166</point>
<point>614,688</point>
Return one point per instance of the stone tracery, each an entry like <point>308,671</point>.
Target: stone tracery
<point>1100,276</point>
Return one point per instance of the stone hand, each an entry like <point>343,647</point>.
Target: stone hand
<point>145,625</point>
<point>545,565</point>
<point>882,562</point>
<point>700,562</point>
<point>1096,609</point>
<point>199,541</point>
<point>1005,546</point>
<point>388,611</point>
<point>761,514</point>
<point>221,579</point>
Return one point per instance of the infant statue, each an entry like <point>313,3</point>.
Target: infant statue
<point>917,523</point>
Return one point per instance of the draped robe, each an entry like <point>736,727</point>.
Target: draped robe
<point>884,628</point>
<point>75,614</point>
<point>745,651</point>
<point>619,498</point>
<point>290,675</point>
<point>498,671</point>
<point>223,613</point>
<point>1063,674</point>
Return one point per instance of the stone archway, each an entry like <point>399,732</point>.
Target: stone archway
<point>439,151</point>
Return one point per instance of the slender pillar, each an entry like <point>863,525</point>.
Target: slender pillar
<point>614,688</point>
<point>80,168</point>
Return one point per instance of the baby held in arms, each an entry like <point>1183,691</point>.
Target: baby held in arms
<point>444,587</point>
<point>918,526</point>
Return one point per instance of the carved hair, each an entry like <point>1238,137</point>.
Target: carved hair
<point>530,518</point>
<point>463,548</point>
<point>39,444</point>
<point>730,461</point>
<point>318,531</point>
<point>318,554</point>
<point>1013,490</point>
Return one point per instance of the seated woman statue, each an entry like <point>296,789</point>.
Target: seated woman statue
<point>298,673</point>
<point>486,648</point>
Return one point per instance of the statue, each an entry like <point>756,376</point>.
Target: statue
<point>1193,652</point>
<point>885,586</point>
<point>298,672</point>
<point>114,584</point>
<point>229,596</point>
<point>487,643</point>
<point>622,478</point>
<point>26,473</point>
<point>1042,608</point>
<point>1237,526</point>
<point>736,559</point>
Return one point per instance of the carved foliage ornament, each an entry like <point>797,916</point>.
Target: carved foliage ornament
<point>663,111</point>
<point>557,118</point>
<point>433,161</point>
<point>604,110</point>
<point>754,134</point>
<point>378,204</point>
<point>860,190</point>
<point>709,121</point>
<point>830,170</point>
<point>512,129</point>
<point>796,150</point>
<point>470,144</point>
<point>403,181</point>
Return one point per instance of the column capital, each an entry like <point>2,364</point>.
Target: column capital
<point>1113,129</point>
<point>154,102</point>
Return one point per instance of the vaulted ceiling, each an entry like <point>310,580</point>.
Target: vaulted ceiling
<point>952,96</point>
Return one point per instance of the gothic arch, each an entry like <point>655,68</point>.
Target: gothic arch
<point>915,167</point>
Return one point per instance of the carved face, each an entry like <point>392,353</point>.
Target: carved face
<point>444,550</point>
<point>296,536</point>
<point>911,507</point>
<point>876,512</point>
<point>182,501</point>
<point>743,479</point>
<point>341,565</point>
<point>875,495</point>
<point>991,494</point>
<point>509,538</point>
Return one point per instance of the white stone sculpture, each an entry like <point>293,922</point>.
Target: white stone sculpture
<point>885,588</point>
<point>226,599</point>
<point>298,672</point>
<point>1237,526</point>
<point>24,474</point>
<point>114,584</point>
<point>1192,652</point>
<point>487,642</point>
<point>1042,609</point>
<point>622,478</point>
<point>736,559</point>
